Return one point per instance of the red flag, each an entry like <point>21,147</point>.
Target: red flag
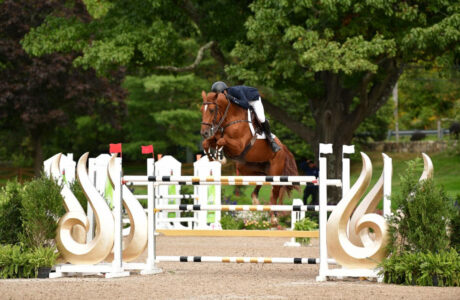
<point>147,149</point>
<point>115,148</point>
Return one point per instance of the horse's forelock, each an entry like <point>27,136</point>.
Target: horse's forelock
<point>211,97</point>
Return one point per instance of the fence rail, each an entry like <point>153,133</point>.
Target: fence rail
<point>8,173</point>
<point>411,132</point>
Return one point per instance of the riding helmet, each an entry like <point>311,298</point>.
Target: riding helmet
<point>219,87</point>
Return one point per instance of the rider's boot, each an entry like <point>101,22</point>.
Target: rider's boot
<point>268,134</point>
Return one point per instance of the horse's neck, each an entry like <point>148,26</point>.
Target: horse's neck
<point>237,129</point>
<point>238,135</point>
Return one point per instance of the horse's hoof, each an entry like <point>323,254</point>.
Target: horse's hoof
<point>274,221</point>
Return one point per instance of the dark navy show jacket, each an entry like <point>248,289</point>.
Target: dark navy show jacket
<point>241,95</point>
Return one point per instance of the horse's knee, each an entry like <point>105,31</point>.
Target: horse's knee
<point>221,142</point>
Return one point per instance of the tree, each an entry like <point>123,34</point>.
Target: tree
<point>342,58</point>
<point>169,49</point>
<point>428,94</point>
<point>40,95</point>
<point>334,62</point>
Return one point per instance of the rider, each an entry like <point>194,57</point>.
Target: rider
<point>246,96</point>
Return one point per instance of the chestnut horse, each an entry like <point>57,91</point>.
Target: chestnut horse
<point>225,126</point>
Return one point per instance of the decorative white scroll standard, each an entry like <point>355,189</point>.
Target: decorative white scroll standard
<point>367,206</point>
<point>100,247</point>
<point>136,242</point>
<point>428,168</point>
<point>71,203</point>
<point>368,252</point>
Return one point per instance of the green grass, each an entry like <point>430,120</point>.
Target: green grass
<point>446,174</point>
<point>446,170</point>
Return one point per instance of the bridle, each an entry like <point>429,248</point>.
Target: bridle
<point>218,127</point>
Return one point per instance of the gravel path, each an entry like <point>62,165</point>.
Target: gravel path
<point>220,281</point>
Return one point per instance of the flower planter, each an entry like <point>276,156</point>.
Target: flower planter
<point>44,272</point>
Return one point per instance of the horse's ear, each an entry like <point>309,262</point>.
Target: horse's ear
<point>203,95</point>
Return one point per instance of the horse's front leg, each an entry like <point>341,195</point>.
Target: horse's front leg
<point>255,195</point>
<point>207,145</point>
<point>273,199</point>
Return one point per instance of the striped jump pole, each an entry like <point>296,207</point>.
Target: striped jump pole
<point>224,180</point>
<point>241,260</point>
<point>198,207</point>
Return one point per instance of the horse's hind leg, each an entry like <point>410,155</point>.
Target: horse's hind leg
<point>255,195</point>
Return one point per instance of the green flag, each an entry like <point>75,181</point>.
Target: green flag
<point>108,192</point>
<point>211,217</point>
<point>171,191</point>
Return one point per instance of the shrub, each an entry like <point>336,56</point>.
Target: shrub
<point>229,221</point>
<point>10,212</point>
<point>42,205</point>
<point>17,261</point>
<point>455,226</point>
<point>76,189</point>
<point>417,136</point>
<point>418,268</point>
<point>422,217</point>
<point>305,225</point>
<point>419,245</point>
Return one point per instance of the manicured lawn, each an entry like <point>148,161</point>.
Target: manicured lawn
<point>446,174</point>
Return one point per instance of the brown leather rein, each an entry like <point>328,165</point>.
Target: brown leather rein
<point>215,128</point>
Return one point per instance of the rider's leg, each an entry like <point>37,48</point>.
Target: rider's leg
<point>259,110</point>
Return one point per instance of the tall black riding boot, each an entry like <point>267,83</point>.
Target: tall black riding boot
<point>268,134</point>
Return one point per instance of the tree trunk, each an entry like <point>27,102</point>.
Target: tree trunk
<point>332,132</point>
<point>38,159</point>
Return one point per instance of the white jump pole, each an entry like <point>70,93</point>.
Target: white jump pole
<point>323,266</point>
<point>387,176</point>
<point>117,263</point>
<point>150,267</point>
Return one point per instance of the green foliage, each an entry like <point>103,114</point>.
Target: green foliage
<point>455,227</point>
<point>181,126</point>
<point>78,192</point>
<point>423,234</point>
<point>10,212</point>
<point>422,216</point>
<point>305,225</point>
<point>423,268</point>
<point>166,110</point>
<point>375,128</point>
<point>41,209</point>
<point>17,261</point>
<point>426,94</point>
<point>229,221</point>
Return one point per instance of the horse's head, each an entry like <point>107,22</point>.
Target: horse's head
<point>212,112</point>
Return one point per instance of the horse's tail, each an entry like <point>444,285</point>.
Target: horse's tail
<point>290,169</point>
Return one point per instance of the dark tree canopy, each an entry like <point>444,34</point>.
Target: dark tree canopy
<point>40,94</point>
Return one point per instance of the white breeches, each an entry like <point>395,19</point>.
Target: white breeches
<point>258,109</point>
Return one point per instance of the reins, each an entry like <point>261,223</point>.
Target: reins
<point>215,128</point>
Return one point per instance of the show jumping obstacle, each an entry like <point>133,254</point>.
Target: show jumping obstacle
<point>335,234</point>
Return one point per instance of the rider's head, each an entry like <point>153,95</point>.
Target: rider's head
<point>219,87</point>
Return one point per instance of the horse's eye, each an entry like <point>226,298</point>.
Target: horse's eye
<point>211,110</point>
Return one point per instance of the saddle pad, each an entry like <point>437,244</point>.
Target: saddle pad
<point>259,136</point>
